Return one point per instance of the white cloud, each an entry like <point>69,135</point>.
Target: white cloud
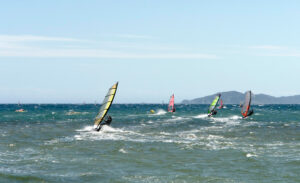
<point>22,38</point>
<point>288,54</point>
<point>98,53</point>
<point>20,46</point>
<point>268,47</point>
<point>276,51</point>
<point>141,46</point>
<point>134,36</point>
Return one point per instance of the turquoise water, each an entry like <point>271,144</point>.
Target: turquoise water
<point>55,143</point>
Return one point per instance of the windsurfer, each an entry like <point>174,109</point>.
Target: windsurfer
<point>250,112</point>
<point>213,112</point>
<point>106,121</point>
<point>20,110</point>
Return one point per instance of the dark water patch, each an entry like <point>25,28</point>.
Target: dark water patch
<point>21,178</point>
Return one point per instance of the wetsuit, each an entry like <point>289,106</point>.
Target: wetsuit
<point>213,112</point>
<point>107,121</point>
<point>250,112</point>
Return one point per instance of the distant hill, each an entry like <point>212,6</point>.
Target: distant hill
<point>234,97</point>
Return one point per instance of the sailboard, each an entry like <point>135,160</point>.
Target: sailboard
<point>171,107</point>
<point>107,101</point>
<point>247,104</point>
<point>221,104</point>
<point>214,104</point>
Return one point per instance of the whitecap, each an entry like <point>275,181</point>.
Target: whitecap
<point>235,117</point>
<point>122,151</point>
<point>201,116</point>
<point>106,128</point>
<point>249,155</point>
<point>188,136</point>
<point>160,112</point>
<point>232,120</point>
<point>214,137</point>
<point>164,133</point>
<point>86,128</point>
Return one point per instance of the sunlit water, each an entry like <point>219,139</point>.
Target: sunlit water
<point>56,143</point>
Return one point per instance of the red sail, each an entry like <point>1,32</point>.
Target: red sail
<point>221,104</point>
<point>171,107</point>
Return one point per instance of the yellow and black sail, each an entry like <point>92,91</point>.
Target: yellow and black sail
<point>106,105</point>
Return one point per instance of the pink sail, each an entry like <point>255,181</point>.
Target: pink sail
<point>221,104</point>
<point>171,107</point>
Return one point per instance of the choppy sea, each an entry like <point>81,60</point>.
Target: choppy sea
<point>56,143</point>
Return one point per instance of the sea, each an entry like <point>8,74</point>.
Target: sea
<point>57,143</point>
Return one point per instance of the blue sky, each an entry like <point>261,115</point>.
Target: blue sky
<point>73,51</point>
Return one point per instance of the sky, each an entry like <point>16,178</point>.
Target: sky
<point>69,51</point>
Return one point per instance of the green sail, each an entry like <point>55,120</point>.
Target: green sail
<point>214,103</point>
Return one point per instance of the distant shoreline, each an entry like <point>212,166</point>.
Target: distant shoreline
<point>234,97</point>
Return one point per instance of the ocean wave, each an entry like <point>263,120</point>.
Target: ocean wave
<point>231,120</point>
<point>191,139</point>
<point>249,155</point>
<point>123,151</point>
<point>106,133</point>
<point>58,140</point>
<point>177,118</point>
<point>160,112</point>
<point>201,116</point>
<point>86,128</point>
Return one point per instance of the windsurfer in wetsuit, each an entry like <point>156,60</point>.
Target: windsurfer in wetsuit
<point>213,112</point>
<point>106,121</point>
<point>250,112</point>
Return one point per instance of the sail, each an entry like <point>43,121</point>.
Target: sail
<point>106,104</point>
<point>171,104</point>
<point>214,103</point>
<point>247,103</point>
<point>221,104</point>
